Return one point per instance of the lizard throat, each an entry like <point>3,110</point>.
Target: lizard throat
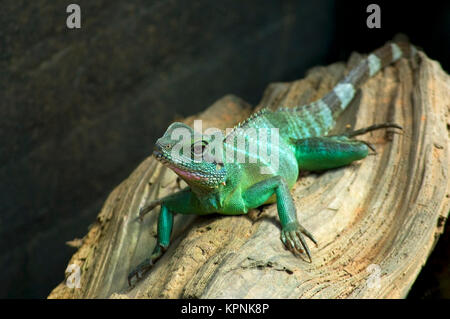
<point>201,176</point>
<point>182,172</point>
<point>185,174</point>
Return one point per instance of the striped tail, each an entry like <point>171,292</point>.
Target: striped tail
<point>344,91</point>
<point>317,118</point>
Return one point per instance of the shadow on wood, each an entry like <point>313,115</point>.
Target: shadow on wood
<point>376,221</point>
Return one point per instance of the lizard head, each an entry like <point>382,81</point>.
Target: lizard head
<point>191,156</point>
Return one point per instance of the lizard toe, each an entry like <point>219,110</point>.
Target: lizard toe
<point>292,237</point>
<point>140,270</point>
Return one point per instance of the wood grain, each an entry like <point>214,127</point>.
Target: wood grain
<point>377,218</point>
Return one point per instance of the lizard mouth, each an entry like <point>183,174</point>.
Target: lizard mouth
<point>180,169</point>
<point>202,174</point>
<point>160,157</point>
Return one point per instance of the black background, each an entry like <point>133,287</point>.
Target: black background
<point>80,109</point>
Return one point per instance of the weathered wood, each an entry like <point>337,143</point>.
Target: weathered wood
<point>386,210</point>
<point>80,108</point>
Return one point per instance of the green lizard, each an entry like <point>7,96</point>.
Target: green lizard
<point>216,185</point>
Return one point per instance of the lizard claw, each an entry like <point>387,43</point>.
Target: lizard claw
<point>292,238</point>
<point>139,271</point>
<point>148,263</point>
<point>370,145</point>
<point>146,209</point>
<point>141,214</point>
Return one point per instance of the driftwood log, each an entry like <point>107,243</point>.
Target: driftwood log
<point>376,221</point>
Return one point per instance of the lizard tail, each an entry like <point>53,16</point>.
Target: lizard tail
<point>342,94</point>
<point>318,117</point>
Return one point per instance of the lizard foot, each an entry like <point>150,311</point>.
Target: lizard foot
<point>292,238</point>
<point>140,270</point>
<point>145,266</point>
<point>372,128</point>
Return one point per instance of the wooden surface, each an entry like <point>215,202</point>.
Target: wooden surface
<point>377,218</point>
<point>81,108</point>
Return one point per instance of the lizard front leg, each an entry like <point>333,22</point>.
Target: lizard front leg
<point>183,202</point>
<point>172,198</point>
<point>291,230</point>
<point>165,223</point>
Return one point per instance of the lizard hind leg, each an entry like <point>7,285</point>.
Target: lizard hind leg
<point>374,127</point>
<point>333,151</point>
<point>328,152</point>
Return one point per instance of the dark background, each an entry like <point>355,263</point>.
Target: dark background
<point>81,108</point>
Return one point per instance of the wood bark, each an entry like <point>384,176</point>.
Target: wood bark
<point>376,221</point>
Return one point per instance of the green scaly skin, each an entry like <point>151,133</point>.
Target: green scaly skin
<point>217,186</point>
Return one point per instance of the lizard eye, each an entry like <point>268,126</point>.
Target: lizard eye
<point>198,148</point>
